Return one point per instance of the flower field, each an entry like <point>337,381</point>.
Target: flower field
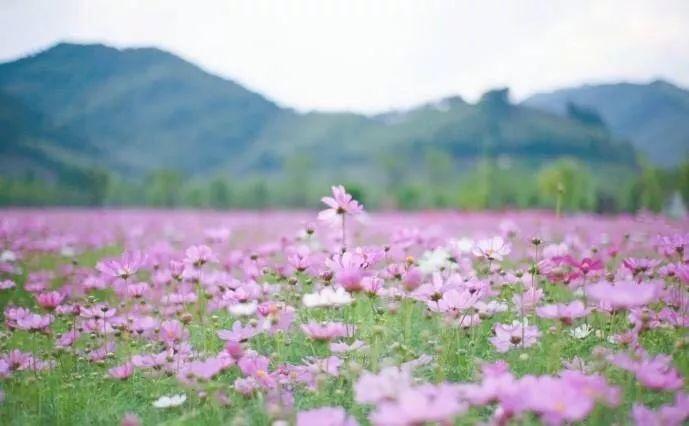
<point>342,317</point>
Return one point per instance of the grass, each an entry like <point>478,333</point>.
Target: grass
<point>79,392</point>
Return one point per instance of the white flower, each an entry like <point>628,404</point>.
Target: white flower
<point>243,309</point>
<point>463,245</point>
<point>8,256</point>
<point>170,401</point>
<point>434,261</point>
<point>581,332</point>
<point>327,297</point>
<point>68,251</point>
<point>492,249</point>
<point>491,307</point>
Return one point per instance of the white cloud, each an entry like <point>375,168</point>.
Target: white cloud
<point>374,55</point>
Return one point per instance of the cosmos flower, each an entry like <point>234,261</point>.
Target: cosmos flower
<point>7,285</point>
<point>325,416</point>
<point>341,203</point>
<point>34,322</point>
<point>492,249</point>
<point>122,372</point>
<point>126,266</point>
<point>348,269</point>
<point>515,335</point>
<point>563,312</point>
<point>327,297</point>
<point>624,294</point>
<point>581,332</point>
<point>327,331</point>
<point>170,401</point>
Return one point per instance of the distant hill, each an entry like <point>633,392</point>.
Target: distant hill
<point>143,108</point>
<point>654,116</point>
<point>133,111</point>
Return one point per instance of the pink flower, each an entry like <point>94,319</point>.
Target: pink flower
<point>130,419</point>
<point>238,333</point>
<point>172,331</point>
<point>327,331</point>
<point>348,269</point>
<point>420,405</point>
<point>492,249</point>
<point>564,312</point>
<point>122,372</point>
<point>509,336</point>
<point>341,203</point>
<point>454,302</point>
<point>199,255</point>
<point>124,267</point>
<point>14,314</point>
<point>325,416</point>
<point>528,299</point>
<point>49,300</point>
<point>256,366</point>
<point>653,372</point>
<point>640,266</point>
<point>625,294</point>
<point>204,370</point>
<point>137,290</point>
<point>7,284</point>
<point>674,414</point>
<point>34,322</point>
<point>340,347</point>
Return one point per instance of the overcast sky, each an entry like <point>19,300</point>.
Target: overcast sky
<point>374,55</point>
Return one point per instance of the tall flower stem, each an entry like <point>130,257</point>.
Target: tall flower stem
<point>344,233</point>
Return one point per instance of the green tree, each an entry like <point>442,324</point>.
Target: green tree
<point>647,191</point>
<point>567,184</point>
<point>164,188</point>
<point>219,195</point>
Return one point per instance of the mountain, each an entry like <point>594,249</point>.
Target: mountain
<point>134,111</point>
<point>654,116</point>
<point>143,108</point>
<point>30,143</point>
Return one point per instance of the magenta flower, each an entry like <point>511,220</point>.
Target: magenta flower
<point>122,372</point>
<point>49,300</point>
<point>341,203</point>
<point>327,331</point>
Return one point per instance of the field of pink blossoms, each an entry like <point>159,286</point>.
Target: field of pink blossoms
<point>342,317</point>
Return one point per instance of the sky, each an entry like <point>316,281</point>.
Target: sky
<point>376,55</point>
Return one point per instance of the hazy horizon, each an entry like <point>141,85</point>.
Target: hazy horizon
<point>377,57</point>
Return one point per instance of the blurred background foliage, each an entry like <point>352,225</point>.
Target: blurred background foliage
<point>485,185</point>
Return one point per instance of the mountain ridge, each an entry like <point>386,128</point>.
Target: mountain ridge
<point>144,109</point>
